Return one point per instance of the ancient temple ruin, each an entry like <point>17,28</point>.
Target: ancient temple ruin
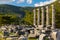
<point>42,28</point>
<point>48,30</point>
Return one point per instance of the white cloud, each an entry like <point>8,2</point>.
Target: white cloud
<point>29,1</point>
<point>17,1</point>
<point>44,3</point>
<point>20,1</point>
<point>6,1</point>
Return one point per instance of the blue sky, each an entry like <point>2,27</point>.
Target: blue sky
<point>34,3</point>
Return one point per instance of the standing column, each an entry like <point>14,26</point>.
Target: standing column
<point>42,16</point>
<point>38,15</point>
<point>34,17</point>
<point>47,16</point>
<point>53,17</point>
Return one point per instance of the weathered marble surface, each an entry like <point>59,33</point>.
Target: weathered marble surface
<point>58,35</point>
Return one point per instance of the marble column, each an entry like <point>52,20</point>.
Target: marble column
<point>38,15</point>
<point>34,11</point>
<point>42,17</point>
<point>47,16</point>
<point>53,17</point>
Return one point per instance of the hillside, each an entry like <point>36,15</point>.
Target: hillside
<point>57,8</point>
<point>12,10</point>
